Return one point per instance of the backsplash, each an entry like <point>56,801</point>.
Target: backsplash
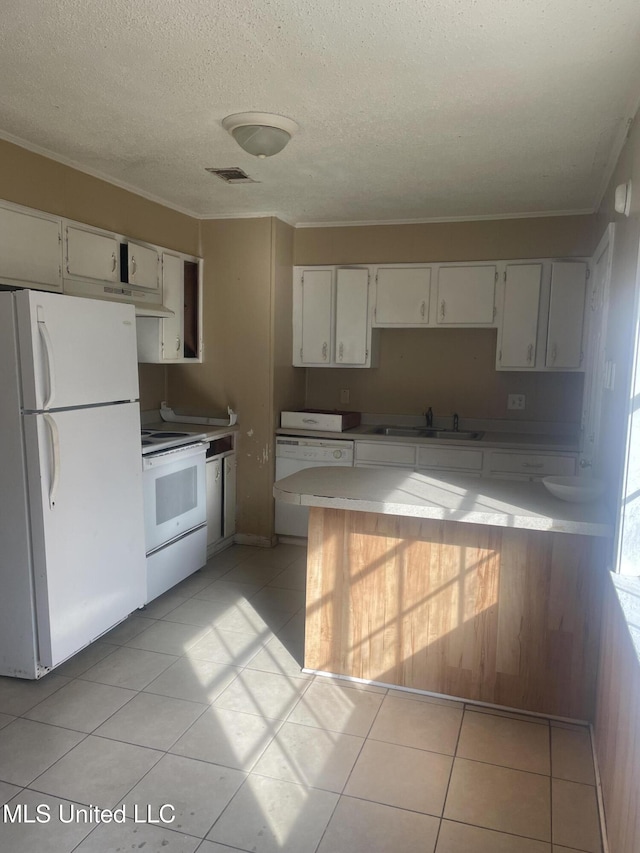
<point>451,370</point>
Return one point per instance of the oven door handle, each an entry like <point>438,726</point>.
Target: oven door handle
<point>174,454</point>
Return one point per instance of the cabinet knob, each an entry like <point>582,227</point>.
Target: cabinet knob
<point>529,353</point>
<point>443,309</point>
<point>324,351</point>
<point>423,308</point>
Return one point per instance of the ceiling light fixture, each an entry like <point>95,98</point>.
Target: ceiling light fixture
<point>260,134</point>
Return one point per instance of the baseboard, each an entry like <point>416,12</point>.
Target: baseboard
<point>220,545</point>
<point>257,541</point>
<point>599,795</point>
<point>302,541</point>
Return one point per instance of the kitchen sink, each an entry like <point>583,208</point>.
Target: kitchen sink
<point>423,432</point>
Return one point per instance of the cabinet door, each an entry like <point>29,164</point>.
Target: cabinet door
<point>566,315</point>
<point>30,249</point>
<point>402,296</point>
<point>144,265</point>
<point>92,254</point>
<point>172,291</point>
<point>229,496</point>
<point>466,296</point>
<point>352,316</point>
<point>519,324</point>
<point>214,500</point>
<point>316,299</point>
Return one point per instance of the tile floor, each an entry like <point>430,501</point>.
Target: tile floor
<point>199,702</point>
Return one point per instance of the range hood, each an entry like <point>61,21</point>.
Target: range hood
<point>145,304</point>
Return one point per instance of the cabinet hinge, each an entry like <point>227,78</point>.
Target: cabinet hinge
<point>581,356</point>
<point>496,277</point>
<point>376,278</point>
<point>302,279</point>
<point>500,356</point>
<point>375,313</point>
<point>504,275</point>
<point>495,311</point>
<point>300,353</point>
<point>588,273</point>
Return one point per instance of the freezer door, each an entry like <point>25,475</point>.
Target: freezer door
<point>74,351</point>
<point>87,528</point>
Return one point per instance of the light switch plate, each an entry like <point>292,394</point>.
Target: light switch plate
<point>515,401</point>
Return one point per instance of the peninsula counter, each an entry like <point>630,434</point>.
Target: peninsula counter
<point>487,590</point>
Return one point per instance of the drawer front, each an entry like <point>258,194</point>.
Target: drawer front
<point>455,459</point>
<point>386,454</point>
<point>532,465</point>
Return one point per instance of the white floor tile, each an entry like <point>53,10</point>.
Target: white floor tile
<point>193,679</point>
<point>55,836</point>
<point>17,695</point>
<point>28,748</point>
<point>263,693</point>
<point>81,705</point>
<point>151,720</point>
<point>269,816</point>
<point>198,792</point>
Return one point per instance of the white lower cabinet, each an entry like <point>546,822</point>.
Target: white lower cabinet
<point>384,453</point>
<point>482,462</point>
<point>30,249</point>
<point>530,465</point>
<point>450,458</point>
<point>221,491</point>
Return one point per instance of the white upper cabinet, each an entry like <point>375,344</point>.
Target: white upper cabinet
<point>332,317</point>
<point>92,254</point>
<point>30,249</point>
<point>466,295</point>
<point>352,316</point>
<point>519,321</point>
<point>172,298</point>
<point>143,264</point>
<point>402,296</point>
<point>566,315</point>
<point>176,338</point>
<point>316,316</point>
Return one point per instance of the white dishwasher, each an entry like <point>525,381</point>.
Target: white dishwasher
<point>296,454</point>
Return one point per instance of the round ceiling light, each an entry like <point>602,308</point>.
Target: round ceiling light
<point>260,134</point>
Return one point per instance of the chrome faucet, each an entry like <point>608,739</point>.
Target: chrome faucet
<point>455,422</point>
<point>429,416</point>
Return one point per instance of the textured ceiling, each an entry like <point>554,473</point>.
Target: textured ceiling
<point>408,109</point>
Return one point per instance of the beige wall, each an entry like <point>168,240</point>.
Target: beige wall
<point>451,370</point>
<point>288,381</point>
<point>35,181</point>
<point>554,236</point>
<point>237,367</point>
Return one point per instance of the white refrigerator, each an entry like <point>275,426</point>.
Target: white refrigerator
<point>72,553</point>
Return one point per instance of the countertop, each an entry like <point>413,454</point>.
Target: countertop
<point>451,497</point>
<point>205,431</point>
<point>493,439</point>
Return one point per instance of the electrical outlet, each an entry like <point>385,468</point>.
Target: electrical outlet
<point>345,395</point>
<point>515,401</point>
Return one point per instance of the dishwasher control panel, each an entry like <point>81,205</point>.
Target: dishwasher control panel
<point>310,450</point>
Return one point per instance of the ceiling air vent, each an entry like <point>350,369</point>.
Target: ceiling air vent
<point>232,175</point>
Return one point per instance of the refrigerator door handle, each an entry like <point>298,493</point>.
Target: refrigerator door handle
<point>55,463</point>
<point>48,348</point>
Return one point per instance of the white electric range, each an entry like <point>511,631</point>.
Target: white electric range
<point>175,510</point>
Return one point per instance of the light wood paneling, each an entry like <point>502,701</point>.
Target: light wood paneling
<point>617,729</point>
<point>498,615</point>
